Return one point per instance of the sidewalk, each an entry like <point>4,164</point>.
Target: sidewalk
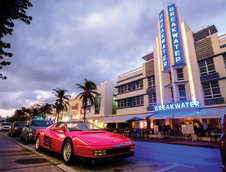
<point>179,141</point>
<point>16,157</point>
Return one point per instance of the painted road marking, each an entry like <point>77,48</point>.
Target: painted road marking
<point>174,165</point>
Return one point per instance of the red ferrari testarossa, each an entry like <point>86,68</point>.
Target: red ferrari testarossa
<point>83,140</point>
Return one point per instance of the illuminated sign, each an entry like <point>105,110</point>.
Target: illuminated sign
<point>177,106</point>
<point>163,41</point>
<point>175,36</point>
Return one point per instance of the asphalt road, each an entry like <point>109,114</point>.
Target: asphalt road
<point>157,157</point>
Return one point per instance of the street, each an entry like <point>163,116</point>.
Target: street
<point>149,157</point>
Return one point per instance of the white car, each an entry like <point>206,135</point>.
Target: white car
<point>5,125</point>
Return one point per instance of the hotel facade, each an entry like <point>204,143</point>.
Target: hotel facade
<point>183,79</point>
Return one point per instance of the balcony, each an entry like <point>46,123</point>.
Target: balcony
<point>209,77</point>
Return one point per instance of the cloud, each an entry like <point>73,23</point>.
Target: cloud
<point>69,41</point>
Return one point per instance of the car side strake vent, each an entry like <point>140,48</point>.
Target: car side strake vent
<point>47,141</point>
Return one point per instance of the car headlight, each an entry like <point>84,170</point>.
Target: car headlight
<point>222,143</point>
<point>100,152</point>
<point>32,130</point>
<point>132,148</point>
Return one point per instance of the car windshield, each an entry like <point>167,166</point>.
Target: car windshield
<point>81,126</point>
<point>6,123</point>
<point>40,123</point>
<point>21,123</point>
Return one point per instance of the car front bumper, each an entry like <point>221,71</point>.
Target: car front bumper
<point>103,159</point>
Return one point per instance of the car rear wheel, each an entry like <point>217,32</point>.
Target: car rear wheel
<point>67,152</point>
<point>37,144</point>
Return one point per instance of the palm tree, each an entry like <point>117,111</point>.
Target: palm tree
<point>45,109</point>
<point>88,94</point>
<point>61,101</point>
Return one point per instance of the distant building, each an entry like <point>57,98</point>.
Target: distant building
<point>104,106</point>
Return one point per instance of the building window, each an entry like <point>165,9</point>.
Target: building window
<point>180,74</point>
<point>172,96</point>
<point>224,57</point>
<point>152,99</point>
<point>182,92</point>
<point>211,90</point>
<point>170,77</point>
<point>206,67</point>
<point>131,102</point>
<point>151,82</point>
<point>136,85</point>
<point>97,104</point>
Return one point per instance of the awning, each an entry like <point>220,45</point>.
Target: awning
<point>162,115</point>
<point>186,114</point>
<point>123,118</point>
<point>175,115</point>
<point>212,112</point>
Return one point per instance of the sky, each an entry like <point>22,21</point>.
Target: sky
<point>68,41</point>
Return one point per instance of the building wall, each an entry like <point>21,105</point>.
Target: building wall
<point>75,109</point>
<point>197,48</point>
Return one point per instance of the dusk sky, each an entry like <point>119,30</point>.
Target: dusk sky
<point>68,41</point>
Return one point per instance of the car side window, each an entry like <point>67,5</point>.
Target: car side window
<point>60,124</point>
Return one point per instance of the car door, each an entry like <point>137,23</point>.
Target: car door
<point>53,139</point>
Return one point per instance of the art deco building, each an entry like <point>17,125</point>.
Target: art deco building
<point>182,79</point>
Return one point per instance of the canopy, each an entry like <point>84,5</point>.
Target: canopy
<point>126,118</point>
<point>135,119</point>
<point>176,114</point>
<point>216,112</point>
<point>162,115</point>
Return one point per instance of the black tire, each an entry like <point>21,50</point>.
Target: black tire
<point>26,139</point>
<point>68,152</point>
<point>21,138</point>
<point>37,144</point>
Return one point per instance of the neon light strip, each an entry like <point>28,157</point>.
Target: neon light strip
<point>159,70</point>
<point>186,52</point>
<point>169,40</point>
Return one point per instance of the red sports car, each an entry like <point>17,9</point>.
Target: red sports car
<point>83,140</point>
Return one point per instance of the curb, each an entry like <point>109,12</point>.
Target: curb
<point>61,166</point>
<point>185,144</point>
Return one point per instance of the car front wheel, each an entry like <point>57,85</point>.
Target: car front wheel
<point>67,152</point>
<point>37,143</point>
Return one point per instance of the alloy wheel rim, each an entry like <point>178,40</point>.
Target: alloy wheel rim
<point>67,151</point>
<point>37,143</point>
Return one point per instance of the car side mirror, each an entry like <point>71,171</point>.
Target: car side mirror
<point>58,129</point>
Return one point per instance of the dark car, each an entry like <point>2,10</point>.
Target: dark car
<point>16,128</point>
<point>223,143</point>
<point>28,132</point>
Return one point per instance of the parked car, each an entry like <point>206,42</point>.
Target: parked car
<point>83,140</point>
<point>5,126</point>
<point>16,128</point>
<point>223,143</point>
<point>28,132</point>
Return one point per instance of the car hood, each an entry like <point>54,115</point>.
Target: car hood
<point>102,137</point>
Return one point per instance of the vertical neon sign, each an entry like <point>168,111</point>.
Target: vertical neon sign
<point>163,41</point>
<point>175,36</point>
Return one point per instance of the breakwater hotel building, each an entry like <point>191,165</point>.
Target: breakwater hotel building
<point>182,79</point>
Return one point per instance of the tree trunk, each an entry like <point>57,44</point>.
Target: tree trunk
<point>57,119</point>
<point>84,117</point>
